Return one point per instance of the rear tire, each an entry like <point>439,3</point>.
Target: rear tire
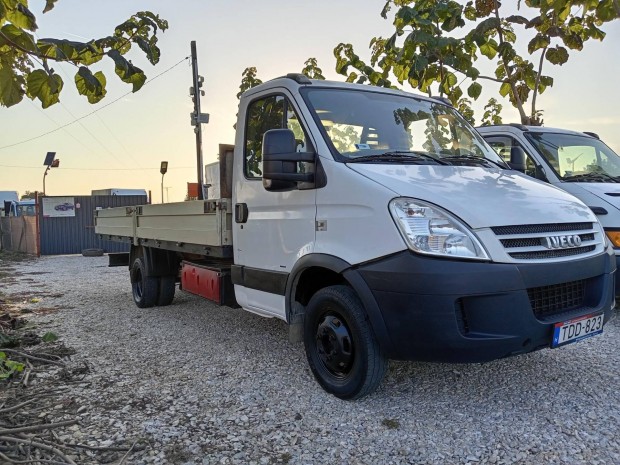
<point>92,252</point>
<point>145,289</point>
<point>167,287</point>
<point>342,350</point>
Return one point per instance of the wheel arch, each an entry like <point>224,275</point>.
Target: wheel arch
<point>158,262</point>
<point>316,271</point>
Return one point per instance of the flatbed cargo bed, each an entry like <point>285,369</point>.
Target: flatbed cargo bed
<point>199,226</point>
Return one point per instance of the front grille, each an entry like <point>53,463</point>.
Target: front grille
<point>552,253</point>
<point>549,241</point>
<point>535,241</point>
<point>551,300</point>
<point>540,228</point>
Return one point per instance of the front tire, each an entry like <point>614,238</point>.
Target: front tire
<point>145,289</point>
<point>342,350</point>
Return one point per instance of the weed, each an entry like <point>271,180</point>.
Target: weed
<point>390,423</point>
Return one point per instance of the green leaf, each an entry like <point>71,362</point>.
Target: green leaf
<point>557,55</point>
<point>505,89</point>
<point>91,85</point>
<point>150,49</point>
<point>21,16</point>
<point>516,19</point>
<point>49,337</point>
<point>11,85</point>
<point>127,71</point>
<point>49,4</point>
<point>45,87</point>
<point>605,11</point>
<point>16,36</point>
<point>14,366</point>
<point>487,25</point>
<point>474,90</point>
<point>489,49</point>
<point>538,42</point>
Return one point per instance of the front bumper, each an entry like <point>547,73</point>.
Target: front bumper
<point>463,311</point>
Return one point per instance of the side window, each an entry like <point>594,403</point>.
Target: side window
<point>272,112</point>
<point>503,145</point>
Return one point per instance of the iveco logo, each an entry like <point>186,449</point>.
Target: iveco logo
<point>561,242</point>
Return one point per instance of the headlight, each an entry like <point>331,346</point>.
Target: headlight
<point>430,230</point>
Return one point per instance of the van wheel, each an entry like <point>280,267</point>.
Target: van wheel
<point>145,288</point>
<point>341,348</point>
<point>167,287</point>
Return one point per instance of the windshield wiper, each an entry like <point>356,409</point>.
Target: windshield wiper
<point>397,156</point>
<point>593,177</point>
<point>481,160</point>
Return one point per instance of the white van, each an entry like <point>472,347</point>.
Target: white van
<point>576,162</point>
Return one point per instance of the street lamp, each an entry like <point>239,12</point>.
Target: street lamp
<point>163,168</point>
<point>50,162</point>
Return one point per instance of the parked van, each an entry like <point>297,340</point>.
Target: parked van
<point>579,163</point>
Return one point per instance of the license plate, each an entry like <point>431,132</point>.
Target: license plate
<point>578,329</point>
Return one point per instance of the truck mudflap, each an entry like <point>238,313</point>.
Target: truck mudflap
<point>463,311</point>
<point>210,282</point>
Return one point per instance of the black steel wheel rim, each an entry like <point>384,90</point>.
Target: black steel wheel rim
<point>334,345</point>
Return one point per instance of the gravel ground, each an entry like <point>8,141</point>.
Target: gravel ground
<point>205,385</point>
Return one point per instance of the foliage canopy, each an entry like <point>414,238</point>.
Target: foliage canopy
<point>436,44</point>
<point>25,61</point>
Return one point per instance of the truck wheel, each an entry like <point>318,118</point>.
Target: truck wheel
<point>341,348</point>
<point>145,288</point>
<point>167,286</point>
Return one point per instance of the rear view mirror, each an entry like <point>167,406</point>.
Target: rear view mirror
<point>281,161</point>
<point>517,158</point>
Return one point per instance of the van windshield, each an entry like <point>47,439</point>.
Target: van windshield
<point>577,158</point>
<point>370,125</point>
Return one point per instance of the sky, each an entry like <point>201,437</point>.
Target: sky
<point>122,144</point>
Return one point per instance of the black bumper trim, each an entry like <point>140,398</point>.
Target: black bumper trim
<point>458,311</point>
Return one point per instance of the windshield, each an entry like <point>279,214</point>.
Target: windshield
<point>577,158</point>
<point>364,124</point>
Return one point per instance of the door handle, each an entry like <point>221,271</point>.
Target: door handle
<point>241,212</point>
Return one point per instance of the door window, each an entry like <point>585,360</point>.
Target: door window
<point>272,112</point>
<point>503,146</point>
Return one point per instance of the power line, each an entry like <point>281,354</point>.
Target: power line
<point>101,169</point>
<point>92,112</point>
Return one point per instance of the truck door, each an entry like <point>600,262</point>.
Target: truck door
<point>272,230</point>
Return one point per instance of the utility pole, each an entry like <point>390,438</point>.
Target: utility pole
<point>198,118</point>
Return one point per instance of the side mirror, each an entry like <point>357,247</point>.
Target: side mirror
<point>517,158</point>
<point>280,161</point>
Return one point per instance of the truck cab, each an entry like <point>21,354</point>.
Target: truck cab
<point>576,162</point>
<point>379,225</point>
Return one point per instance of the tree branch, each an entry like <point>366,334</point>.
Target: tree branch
<point>33,428</point>
<point>39,446</point>
<point>32,357</point>
<point>537,83</point>
<point>507,68</point>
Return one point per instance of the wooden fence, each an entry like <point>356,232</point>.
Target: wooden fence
<point>19,234</point>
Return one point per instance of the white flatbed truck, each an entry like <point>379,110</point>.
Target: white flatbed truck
<point>379,225</point>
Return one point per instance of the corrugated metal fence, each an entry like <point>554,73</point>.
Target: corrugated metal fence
<point>72,234</point>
